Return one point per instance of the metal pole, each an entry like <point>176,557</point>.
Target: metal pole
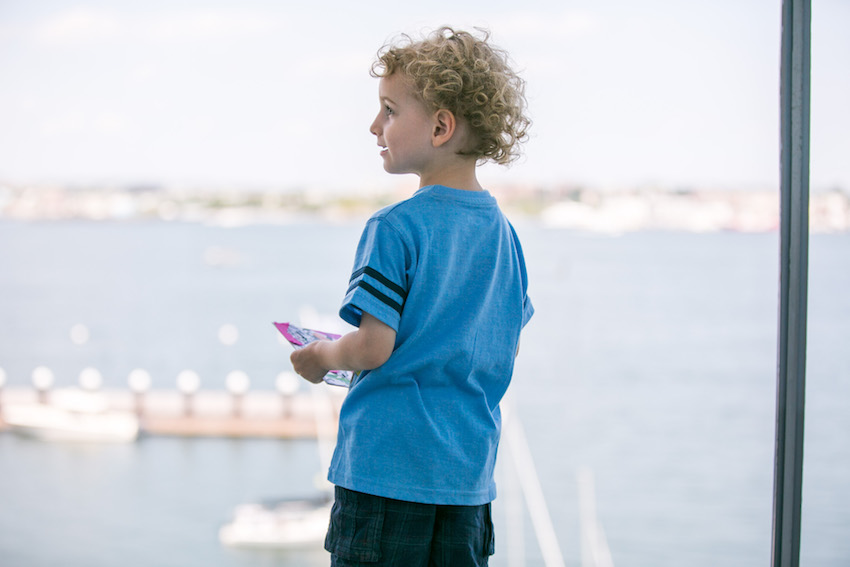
<point>794,230</point>
<point>514,434</point>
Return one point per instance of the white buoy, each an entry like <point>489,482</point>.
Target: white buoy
<point>237,384</point>
<point>42,379</point>
<point>188,382</point>
<point>90,379</point>
<point>228,334</point>
<point>287,384</point>
<point>80,334</point>
<point>140,382</point>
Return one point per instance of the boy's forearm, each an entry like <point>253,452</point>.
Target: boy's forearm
<point>364,349</point>
<point>342,354</point>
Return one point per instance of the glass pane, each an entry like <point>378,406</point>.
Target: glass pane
<point>826,482</point>
<point>656,355</point>
<point>647,204</point>
<point>826,465</point>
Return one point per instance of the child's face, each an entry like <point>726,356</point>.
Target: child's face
<point>403,127</point>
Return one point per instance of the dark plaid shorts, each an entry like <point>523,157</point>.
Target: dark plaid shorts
<point>376,531</point>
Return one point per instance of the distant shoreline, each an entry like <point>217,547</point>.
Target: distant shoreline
<point>607,211</point>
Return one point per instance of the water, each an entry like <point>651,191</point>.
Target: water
<point>651,360</point>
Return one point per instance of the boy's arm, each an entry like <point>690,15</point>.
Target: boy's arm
<point>364,349</point>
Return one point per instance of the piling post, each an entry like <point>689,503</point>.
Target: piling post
<point>237,384</point>
<point>287,384</point>
<point>140,382</point>
<point>42,379</point>
<point>188,383</point>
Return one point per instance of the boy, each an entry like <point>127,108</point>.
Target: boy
<point>438,294</point>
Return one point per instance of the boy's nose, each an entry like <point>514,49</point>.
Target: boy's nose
<point>373,128</point>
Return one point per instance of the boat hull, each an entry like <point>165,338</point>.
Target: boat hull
<point>56,424</point>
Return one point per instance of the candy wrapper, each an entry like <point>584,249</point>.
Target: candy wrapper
<point>299,337</point>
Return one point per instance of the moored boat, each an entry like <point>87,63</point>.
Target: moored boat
<point>285,523</point>
<point>73,416</point>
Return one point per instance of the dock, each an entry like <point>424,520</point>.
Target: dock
<point>215,413</point>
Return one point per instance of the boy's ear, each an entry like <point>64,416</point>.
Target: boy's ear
<point>444,126</point>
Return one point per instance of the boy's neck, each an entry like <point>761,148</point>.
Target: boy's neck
<point>457,176</point>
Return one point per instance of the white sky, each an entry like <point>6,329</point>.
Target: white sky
<point>277,93</point>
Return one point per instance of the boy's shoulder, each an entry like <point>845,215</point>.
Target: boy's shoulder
<point>434,208</point>
<point>434,199</point>
<point>390,211</point>
<point>402,211</point>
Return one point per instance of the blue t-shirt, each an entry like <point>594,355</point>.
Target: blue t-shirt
<point>446,271</point>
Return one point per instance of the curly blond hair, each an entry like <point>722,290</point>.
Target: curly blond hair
<point>456,71</point>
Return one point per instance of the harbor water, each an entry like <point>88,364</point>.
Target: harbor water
<point>650,362</point>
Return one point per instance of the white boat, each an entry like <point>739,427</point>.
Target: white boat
<point>72,415</point>
<point>289,523</point>
<point>278,523</point>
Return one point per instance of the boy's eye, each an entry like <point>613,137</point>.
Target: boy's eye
<point>387,110</point>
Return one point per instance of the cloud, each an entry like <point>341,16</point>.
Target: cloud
<point>144,73</point>
<point>53,126</point>
<point>91,26</point>
<point>109,122</point>
<point>80,25</point>
<point>542,25</point>
<point>210,25</point>
<point>355,63</point>
<point>81,124</point>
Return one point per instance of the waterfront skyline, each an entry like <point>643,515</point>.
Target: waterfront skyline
<point>261,94</point>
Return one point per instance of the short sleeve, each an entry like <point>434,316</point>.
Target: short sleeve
<point>378,283</point>
<point>527,306</point>
<point>527,310</point>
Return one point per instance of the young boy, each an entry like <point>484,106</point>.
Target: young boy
<point>438,294</point>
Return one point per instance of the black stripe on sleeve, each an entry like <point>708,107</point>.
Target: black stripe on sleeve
<point>383,298</point>
<point>380,277</point>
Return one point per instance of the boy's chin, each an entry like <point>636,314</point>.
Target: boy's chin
<point>393,170</point>
<point>388,167</point>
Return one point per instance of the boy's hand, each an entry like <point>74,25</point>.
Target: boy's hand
<point>364,349</point>
<point>307,362</point>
